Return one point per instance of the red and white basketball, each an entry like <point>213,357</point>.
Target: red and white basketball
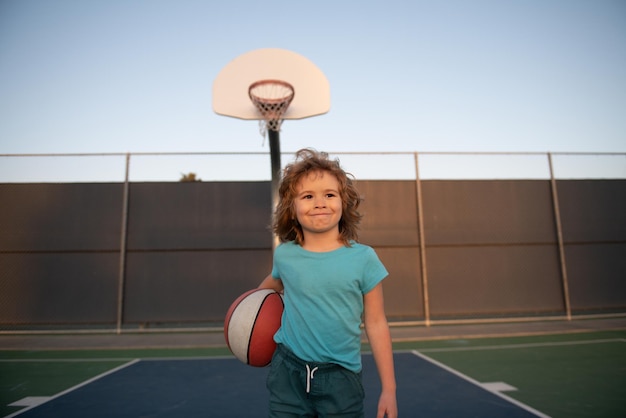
<point>250,325</point>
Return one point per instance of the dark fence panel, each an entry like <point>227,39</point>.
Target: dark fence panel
<point>183,286</point>
<point>390,225</point>
<point>404,297</point>
<point>494,281</point>
<point>593,213</point>
<point>59,253</point>
<point>597,276</point>
<point>492,248</point>
<point>60,217</point>
<point>199,215</point>
<point>478,212</point>
<point>593,210</point>
<point>58,288</point>
<point>390,213</point>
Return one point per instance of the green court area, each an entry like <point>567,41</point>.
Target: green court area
<point>574,375</point>
<point>562,375</point>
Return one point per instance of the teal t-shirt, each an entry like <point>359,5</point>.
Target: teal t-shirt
<point>324,300</point>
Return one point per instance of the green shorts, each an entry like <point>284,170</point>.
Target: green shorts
<point>303,389</point>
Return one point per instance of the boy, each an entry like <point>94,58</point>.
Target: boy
<point>330,283</point>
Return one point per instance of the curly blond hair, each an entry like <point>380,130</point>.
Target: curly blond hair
<point>307,161</point>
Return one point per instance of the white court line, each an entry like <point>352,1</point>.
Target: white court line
<point>65,360</point>
<point>85,383</point>
<point>475,382</point>
<point>526,345</point>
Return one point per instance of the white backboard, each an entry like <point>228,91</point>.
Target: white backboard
<point>230,88</point>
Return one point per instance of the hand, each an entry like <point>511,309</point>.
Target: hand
<point>387,406</point>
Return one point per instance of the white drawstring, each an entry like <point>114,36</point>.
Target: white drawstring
<point>309,377</point>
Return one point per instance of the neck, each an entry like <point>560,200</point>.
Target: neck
<point>322,242</point>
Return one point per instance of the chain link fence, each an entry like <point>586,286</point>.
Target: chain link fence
<point>142,241</point>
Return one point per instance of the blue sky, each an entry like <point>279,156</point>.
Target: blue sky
<point>450,75</point>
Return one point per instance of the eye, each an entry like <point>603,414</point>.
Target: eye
<point>329,195</point>
<point>307,196</point>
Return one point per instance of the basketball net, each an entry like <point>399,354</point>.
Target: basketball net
<point>271,98</point>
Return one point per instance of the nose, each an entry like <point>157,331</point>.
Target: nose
<point>320,202</point>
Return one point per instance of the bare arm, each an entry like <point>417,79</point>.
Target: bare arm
<point>377,330</point>
<point>271,283</point>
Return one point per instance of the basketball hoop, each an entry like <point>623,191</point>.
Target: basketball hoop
<point>271,98</point>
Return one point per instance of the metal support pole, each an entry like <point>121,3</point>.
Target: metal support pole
<point>274,139</point>
<point>422,243</point>
<point>559,233</point>
<point>123,240</point>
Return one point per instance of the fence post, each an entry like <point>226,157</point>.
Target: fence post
<point>422,243</point>
<point>123,240</point>
<point>559,233</point>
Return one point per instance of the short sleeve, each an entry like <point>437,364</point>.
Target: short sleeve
<point>374,271</point>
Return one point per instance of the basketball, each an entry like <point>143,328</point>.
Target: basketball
<point>250,325</point>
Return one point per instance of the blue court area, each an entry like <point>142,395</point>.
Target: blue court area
<point>224,387</point>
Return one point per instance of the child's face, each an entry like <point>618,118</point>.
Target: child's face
<point>318,203</point>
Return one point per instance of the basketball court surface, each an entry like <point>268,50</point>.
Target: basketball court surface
<point>570,369</point>
<point>227,388</point>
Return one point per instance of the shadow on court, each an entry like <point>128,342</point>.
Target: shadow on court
<point>230,389</point>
